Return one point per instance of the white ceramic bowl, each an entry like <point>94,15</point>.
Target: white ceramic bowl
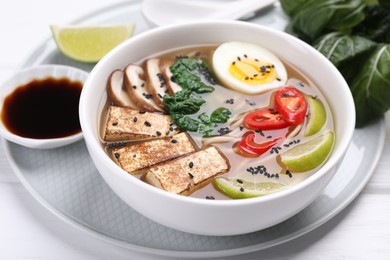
<point>25,76</point>
<point>213,217</point>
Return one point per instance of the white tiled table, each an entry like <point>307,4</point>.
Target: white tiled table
<point>28,230</point>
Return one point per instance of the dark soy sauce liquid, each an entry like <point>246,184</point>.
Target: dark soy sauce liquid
<point>44,108</point>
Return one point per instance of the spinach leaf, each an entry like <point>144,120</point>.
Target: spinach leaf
<point>186,123</point>
<point>220,115</point>
<point>376,26</point>
<point>339,47</point>
<point>292,7</point>
<point>188,73</point>
<point>345,51</point>
<point>183,102</point>
<point>371,86</point>
<point>364,64</point>
<point>204,118</point>
<point>315,18</point>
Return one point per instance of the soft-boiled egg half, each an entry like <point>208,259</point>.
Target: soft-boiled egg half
<point>248,68</point>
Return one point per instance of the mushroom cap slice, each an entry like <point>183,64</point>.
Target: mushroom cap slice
<point>155,81</point>
<point>172,87</point>
<point>136,86</point>
<point>117,92</point>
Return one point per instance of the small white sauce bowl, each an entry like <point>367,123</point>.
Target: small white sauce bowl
<point>27,75</point>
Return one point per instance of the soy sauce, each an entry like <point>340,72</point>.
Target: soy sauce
<point>44,108</point>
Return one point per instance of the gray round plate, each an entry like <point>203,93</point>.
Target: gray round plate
<point>66,182</point>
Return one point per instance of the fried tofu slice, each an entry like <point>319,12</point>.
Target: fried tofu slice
<point>189,173</point>
<point>137,158</point>
<point>128,124</point>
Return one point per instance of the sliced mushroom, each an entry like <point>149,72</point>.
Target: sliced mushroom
<point>155,81</point>
<point>136,86</point>
<point>172,87</point>
<point>116,91</point>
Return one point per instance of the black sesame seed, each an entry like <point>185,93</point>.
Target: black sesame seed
<point>233,63</point>
<point>238,58</point>
<point>174,141</point>
<point>115,123</point>
<point>191,175</point>
<point>191,164</point>
<point>147,123</point>
<point>167,133</point>
<point>278,79</point>
<point>240,181</point>
<point>142,111</point>
<point>277,175</point>
<point>171,129</point>
<point>134,155</point>
<point>286,145</point>
<point>210,198</point>
<point>242,189</point>
<point>135,119</point>
<point>143,84</point>
<point>159,95</point>
<point>158,133</point>
<point>241,127</point>
<point>117,155</point>
<point>269,137</point>
<point>134,87</point>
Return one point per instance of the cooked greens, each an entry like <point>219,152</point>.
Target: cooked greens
<point>354,35</point>
<point>191,74</point>
<point>188,73</point>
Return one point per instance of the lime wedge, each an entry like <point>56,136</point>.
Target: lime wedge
<point>317,116</point>
<point>241,189</point>
<point>89,43</point>
<point>308,155</point>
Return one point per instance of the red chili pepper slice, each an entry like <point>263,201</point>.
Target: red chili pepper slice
<point>265,119</point>
<point>248,145</point>
<point>291,104</point>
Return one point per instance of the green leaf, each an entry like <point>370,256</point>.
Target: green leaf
<point>344,51</point>
<point>376,26</point>
<point>371,86</point>
<point>183,102</point>
<point>315,18</point>
<point>220,115</point>
<point>189,72</point>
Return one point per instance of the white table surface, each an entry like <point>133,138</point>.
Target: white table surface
<point>30,231</point>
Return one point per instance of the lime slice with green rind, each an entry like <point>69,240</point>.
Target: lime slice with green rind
<point>241,189</point>
<point>308,155</point>
<point>90,43</point>
<point>317,116</point>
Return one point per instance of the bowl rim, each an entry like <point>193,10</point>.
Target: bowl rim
<point>333,160</point>
<point>25,76</point>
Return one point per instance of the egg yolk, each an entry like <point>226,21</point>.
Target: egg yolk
<point>252,71</point>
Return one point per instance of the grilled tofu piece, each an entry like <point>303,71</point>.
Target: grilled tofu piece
<point>137,158</point>
<point>129,124</point>
<point>189,173</point>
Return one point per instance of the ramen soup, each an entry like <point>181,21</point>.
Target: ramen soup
<point>218,122</point>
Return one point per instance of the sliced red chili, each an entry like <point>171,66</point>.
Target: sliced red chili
<point>249,146</point>
<point>291,104</point>
<point>265,119</point>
